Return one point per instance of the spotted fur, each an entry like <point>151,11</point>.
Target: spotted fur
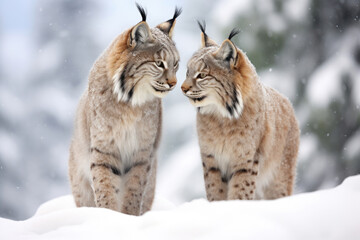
<point>248,133</point>
<point>112,161</point>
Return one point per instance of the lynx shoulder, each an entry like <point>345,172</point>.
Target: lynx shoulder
<point>248,133</point>
<point>112,161</point>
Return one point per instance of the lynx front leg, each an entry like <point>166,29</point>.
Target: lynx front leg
<point>105,178</point>
<point>215,185</point>
<point>242,181</point>
<point>150,188</point>
<point>135,181</point>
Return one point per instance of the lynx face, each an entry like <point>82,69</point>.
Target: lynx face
<point>217,78</point>
<point>152,62</point>
<point>211,86</point>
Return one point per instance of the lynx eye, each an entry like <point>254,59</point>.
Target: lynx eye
<point>160,64</point>
<point>201,75</point>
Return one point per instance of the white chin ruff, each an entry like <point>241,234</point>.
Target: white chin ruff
<point>139,94</point>
<point>231,111</point>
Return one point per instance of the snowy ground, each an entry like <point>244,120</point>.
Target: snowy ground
<point>327,214</point>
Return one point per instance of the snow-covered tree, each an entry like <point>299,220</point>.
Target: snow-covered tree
<point>65,50</point>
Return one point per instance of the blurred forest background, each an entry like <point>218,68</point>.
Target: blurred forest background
<point>309,50</point>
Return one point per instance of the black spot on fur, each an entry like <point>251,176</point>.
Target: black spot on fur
<point>229,109</point>
<point>122,79</point>
<point>94,149</point>
<point>214,169</point>
<point>106,165</point>
<point>128,169</point>
<point>131,92</point>
<point>235,98</point>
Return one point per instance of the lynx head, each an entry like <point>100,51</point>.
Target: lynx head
<point>143,61</point>
<point>219,78</point>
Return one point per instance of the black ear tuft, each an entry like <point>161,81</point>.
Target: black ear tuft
<point>168,26</point>
<point>233,32</point>
<point>202,26</point>
<point>142,12</point>
<point>177,13</point>
<point>205,40</point>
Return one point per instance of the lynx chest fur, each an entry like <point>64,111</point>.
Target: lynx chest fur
<point>124,129</point>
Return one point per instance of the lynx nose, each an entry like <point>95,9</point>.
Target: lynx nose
<point>171,82</point>
<point>185,88</point>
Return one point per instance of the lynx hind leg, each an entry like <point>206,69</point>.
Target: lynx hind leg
<point>283,183</point>
<point>150,188</point>
<point>80,186</point>
<point>83,193</point>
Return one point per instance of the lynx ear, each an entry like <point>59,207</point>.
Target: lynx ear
<point>226,52</point>
<point>140,34</point>
<point>168,26</point>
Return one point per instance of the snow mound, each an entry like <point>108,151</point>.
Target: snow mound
<point>327,214</point>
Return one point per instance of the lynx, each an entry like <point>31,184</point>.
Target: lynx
<point>112,161</point>
<point>248,133</point>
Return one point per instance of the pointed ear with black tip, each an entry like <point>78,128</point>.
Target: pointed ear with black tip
<point>140,34</point>
<point>227,52</point>
<point>205,40</point>
<point>168,26</point>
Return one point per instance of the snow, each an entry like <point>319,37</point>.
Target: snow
<point>308,146</point>
<point>9,149</point>
<point>279,79</point>
<point>225,11</point>
<point>328,214</point>
<point>49,57</point>
<point>181,185</point>
<point>297,10</point>
<point>326,81</point>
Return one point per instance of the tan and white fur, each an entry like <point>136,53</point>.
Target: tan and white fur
<point>248,133</point>
<point>112,161</point>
